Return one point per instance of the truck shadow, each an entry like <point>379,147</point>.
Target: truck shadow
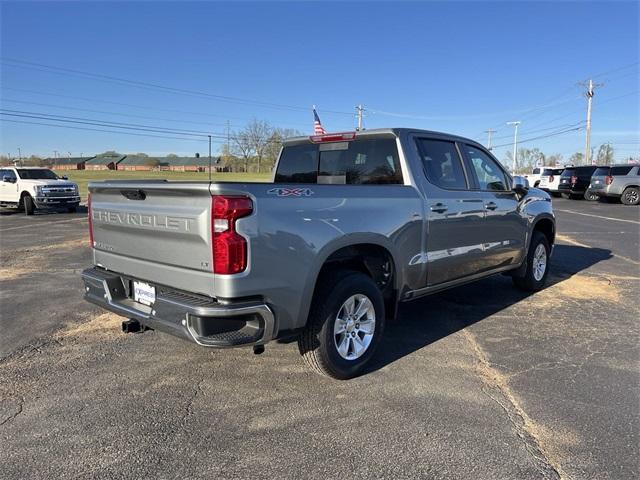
<point>427,320</point>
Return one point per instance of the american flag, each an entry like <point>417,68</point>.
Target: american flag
<point>318,129</point>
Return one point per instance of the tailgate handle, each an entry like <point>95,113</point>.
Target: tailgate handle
<point>134,194</point>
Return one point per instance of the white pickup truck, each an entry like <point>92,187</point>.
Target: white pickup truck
<point>31,188</point>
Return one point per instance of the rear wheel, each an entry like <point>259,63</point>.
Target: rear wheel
<point>28,205</point>
<point>589,195</point>
<point>630,196</point>
<point>344,326</point>
<point>537,260</point>
<point>72,209</point>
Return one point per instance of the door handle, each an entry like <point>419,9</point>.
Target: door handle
<point>439,208</point>
<point>491,206</point>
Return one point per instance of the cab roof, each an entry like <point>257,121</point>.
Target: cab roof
<point>386,131</point>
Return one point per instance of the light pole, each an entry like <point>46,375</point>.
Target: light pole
<point>515,143</point>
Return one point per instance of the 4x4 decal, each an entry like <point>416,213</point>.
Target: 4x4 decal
<point>290,192</point>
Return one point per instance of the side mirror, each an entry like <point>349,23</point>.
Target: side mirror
<point>520,185</point>
<point>6,179</point>
<point>64,177</point>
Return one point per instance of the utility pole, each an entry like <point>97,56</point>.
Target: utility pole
<point>515,144</point>
<point>589,94</point>
<point>359,110</point>
<point>209,158</point>
<point>20,155</point>
<point>228,137</point>
<point>55,154</point>
<point>489,132</point>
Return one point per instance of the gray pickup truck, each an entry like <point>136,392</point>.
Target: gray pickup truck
<point>351,225</point>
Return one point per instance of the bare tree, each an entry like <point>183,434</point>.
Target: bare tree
<point>577,158</point>
<point>252,142</point>
<point>241,147</point>
<point>555,159</point>
<point>605,154</point>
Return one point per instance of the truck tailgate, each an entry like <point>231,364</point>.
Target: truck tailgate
<point>152,222</point>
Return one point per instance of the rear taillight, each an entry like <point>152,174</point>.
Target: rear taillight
<point>574,179</point>
<point>550,180</point>
<point>608,179</point>
<point>90,215</point>
<point>229,248</point>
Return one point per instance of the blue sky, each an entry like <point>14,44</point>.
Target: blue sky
<point>455,67</point>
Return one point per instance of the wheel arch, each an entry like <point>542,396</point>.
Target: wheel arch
<point>372,256</point>
<point>546,226</point>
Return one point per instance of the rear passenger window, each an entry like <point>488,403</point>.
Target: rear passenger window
<point>620,170</point>
<point>442,164</point>
<point>486,170</point>
<point>298,164</point>
<point>362,162</point>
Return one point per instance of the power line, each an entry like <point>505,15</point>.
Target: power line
<point>554,127</point>
<point>73,127</point>
<point>66,107</point>
<point>142,107</point>
<point>540,137</point>
<point>147,85</point>
<point>617,69</point>
<point>91,121</point>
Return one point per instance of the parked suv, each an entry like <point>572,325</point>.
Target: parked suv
<point>574,182</point>
<point>32,188</point>
<point>535,176</point>
<point>617,181</point>
<point>351,225</point>
<point>550,180</point>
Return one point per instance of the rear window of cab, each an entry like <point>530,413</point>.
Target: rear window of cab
<point>372,161</point>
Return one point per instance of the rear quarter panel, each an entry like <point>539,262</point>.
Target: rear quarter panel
<point>290,235</point>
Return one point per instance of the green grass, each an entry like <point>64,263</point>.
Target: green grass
<point>83,177</point>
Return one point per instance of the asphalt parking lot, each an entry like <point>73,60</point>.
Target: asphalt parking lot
<point>480,382</point>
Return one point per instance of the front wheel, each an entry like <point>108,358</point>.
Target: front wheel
<point>73,209</point>
<point>630,196</point>
<point>537,260</point>
<point>344,326</point>
<point>28,205</point>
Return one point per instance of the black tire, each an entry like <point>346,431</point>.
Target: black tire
<point>555,194</point>
<point>72,209</point>
<point>28,205</point>
<point>631,196</point>
<point>590,196</point>
<point>528,281</point>
<point>317,343</point>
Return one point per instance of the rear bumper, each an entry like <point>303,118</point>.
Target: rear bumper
<point>605,191</point>
<point>195,318</point>
<point>573,190</point>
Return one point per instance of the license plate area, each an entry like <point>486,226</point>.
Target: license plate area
<point>144,293</point>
